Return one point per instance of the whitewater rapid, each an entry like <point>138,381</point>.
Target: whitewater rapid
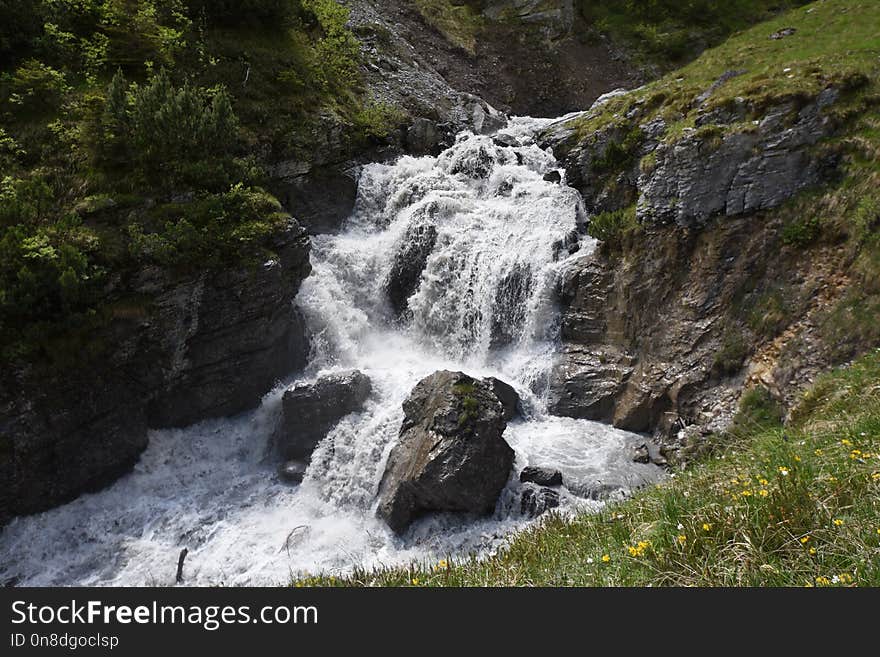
<point>484,304</point>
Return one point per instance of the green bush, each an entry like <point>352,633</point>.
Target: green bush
<point>612,228</point>
<point>770,313</point>
<point>46,272</point>
<point>730,357</point>
<point>209,231</point>
<point>160,126</point>
<point>35,88</point>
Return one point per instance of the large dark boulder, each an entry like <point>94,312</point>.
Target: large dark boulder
<point>310,411</point>
<point>451,455</point>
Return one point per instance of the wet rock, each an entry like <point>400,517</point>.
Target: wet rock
<point>553,177</point>
<point>293,472</point>
<point>536,501</point>
<point>310,411</point>
<point>409,262</point>
<point>600,492</point>
<point>511,299</point>
<point>484,118</point>
<point>476,164</point>
<point>505,140</point>
<point>199,346</point>
<point>424,137</point>
<point>450,456</point>
<point>541,476</point>
<point>507,395</point>
<point>641,454</point>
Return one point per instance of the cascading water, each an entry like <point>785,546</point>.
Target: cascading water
<point>447,263</point>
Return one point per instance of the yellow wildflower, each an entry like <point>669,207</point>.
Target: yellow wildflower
<point>875,476</point>
<point>763,493</point>
<point>805,540</point>
<point>682,539</point>
<point>838,522</point>
<point>605,558</point>
<point>746,493</point>
<point>846,442</point>
<point>819,452</point>
<point>763,482</point>
<point>415,582</point>
<point>797,458</point>
<point>823,581</point>
<point>706,526</point>
<point>783,470</point>
<point>812,551</point>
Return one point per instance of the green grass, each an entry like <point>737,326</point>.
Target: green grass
<point>666,32</point>
<point>459,23</point>
<point>837,43</point>
<point>772,505</point>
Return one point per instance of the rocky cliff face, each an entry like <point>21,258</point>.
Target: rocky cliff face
<point>201,346</point>
<point>663,329</point>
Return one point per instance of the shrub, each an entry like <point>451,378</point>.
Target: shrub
<point>612,228</point>
<point>36,88</point>
<point>46,272</point>
<point>732,353</point>
<point>209,231</point>
<point>160,125</point>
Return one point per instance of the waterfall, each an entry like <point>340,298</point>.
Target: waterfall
<point>447,262</point>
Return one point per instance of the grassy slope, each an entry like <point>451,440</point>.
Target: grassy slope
<point>771,505</point>
<point>837,43</point>
<point>656,35</point>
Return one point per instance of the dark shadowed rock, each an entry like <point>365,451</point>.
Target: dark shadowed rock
<point>505,141</point>
<point>424,137</point>
<point>409,263</point>
<point>450,456</point>
<point>321,199</point>
<point>507,395</point>
<point>553,177</point>
<point>641,454</point>
<point>191,346</point>
<point>536,501</point>
<point>541,476</point>
<point>511,300</point>
<point>241,336</point>
<point>310,411</point>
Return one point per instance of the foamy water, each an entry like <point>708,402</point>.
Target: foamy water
<point>484,304</point>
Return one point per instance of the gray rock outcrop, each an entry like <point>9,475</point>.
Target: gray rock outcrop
<point>310,411</point>
<point>694,178</point>
<point>451,455</point>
